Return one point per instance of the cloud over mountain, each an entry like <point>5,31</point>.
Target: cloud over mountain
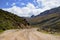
<point>30,8</point>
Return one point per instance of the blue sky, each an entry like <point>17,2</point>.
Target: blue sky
<point>28,7</point>
<point>8,3</point>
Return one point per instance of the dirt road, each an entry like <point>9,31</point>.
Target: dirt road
<point>27,34</point>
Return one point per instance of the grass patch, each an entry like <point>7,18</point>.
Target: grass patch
<point>1,31</point>
<point>56,33</point>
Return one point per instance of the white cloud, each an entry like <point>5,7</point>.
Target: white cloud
<point>30,9</point>
<point>13,4</point>
<point>25,11</point>
<point>48,4</point>
<point>29,5</point>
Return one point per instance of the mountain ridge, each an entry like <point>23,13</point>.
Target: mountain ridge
<point>47,20</point>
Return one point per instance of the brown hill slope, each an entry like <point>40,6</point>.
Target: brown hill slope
<point>49,22</point>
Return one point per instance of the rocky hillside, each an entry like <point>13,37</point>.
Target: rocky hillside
<point>48,20</point>
<point>11,21</point>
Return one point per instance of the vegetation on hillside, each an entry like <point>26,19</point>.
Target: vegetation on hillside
<point>11,21</point>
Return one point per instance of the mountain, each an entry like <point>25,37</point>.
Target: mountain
<point>54,10</point>
<point>48,20</point>
<point>11,21</point>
